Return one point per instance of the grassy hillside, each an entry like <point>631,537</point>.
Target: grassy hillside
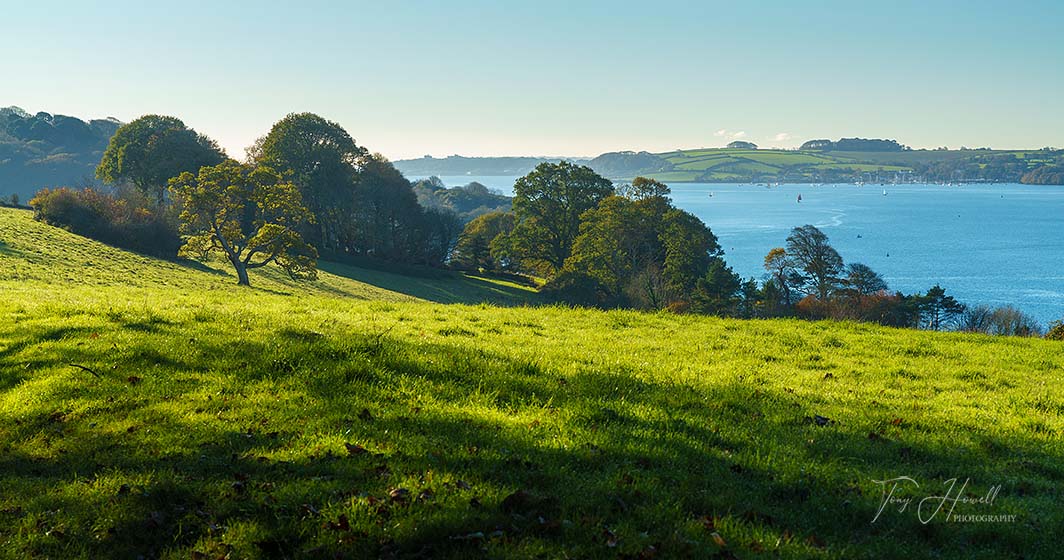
<point>155,409</point>
<point>35,255</point>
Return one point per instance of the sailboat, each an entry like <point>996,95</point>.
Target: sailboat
<point>799,197</point>
<point>884,192</point>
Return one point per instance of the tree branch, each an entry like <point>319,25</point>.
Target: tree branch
<point>273,256</point>
<point>83,368</point>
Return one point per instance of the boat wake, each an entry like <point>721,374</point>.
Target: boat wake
<point>835,220</point>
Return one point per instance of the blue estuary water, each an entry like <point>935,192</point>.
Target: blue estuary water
<point>993,244</point>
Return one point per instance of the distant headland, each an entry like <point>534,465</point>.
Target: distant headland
<point>848,160</point>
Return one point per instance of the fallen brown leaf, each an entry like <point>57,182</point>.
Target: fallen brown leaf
<point>355,449</point>
<point>342,524</point>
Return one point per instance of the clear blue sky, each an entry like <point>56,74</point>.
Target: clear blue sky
<point>553,77</point>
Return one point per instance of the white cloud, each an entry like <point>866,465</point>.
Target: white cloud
<point>783,137</point>
<point>732,134</point>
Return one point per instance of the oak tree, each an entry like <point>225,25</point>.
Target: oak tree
<point>249,214</point>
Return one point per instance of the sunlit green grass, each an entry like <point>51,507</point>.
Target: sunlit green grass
<point>35,255</point>
<point>154,409</point>
<point>734,164</point>
<point>695,160</point>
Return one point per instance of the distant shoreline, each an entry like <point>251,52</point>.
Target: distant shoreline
<point>759,183</point>
<point>803,166</point>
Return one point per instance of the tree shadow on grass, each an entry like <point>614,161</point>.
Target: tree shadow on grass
<point>200,267</point>
<point>440,286</point>
<point>14,370</point>
<point>6,250</point>
<point>510,458</point>
<point>75,347</point>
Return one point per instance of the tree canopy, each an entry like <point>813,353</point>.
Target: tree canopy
<point>939,310</point>
<point>638,251</point>
<point>862,280</point>
<point>476,246</point>
<point>384,219</point>
<point>641,188</point>
<point>782,275</point>
<point>815,259</point>
<point>324,162</point>
<point>151,150</point>
<point>1044,175</point>
<point>248,213</point>
<point>468,202</point>
<point>547,204</point>
<point>855,145</point>
<point>45,150</point>
<point>618,242</point>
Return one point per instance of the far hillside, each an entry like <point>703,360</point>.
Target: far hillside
<point>467,202</point>
<point>46,150</point>
<point>817,161</point>
<point>460,165</point>
<point>848,160</point>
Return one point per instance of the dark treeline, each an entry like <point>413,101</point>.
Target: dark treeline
<point>13,201</point>
<point>351,202</point>
<point>855,145</point>
<point>1045,175</point>
<point>363,206</point>
<point>468,202</point>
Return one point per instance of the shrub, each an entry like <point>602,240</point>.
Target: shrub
<point>892,310</point>
<point>813,309</point>
<point>1056,331</point>
<point>127,222</point>
<point>576,288</point>
<point>678,307</point>
<point>1004,321</point>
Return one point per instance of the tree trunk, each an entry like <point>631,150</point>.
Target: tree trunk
<point>241,273</point>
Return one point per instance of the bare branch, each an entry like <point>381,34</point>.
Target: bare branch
<point>83,368</point>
